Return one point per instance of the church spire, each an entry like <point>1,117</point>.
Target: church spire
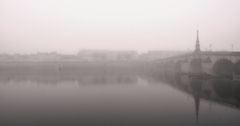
<point>197,35</point>
<point>197,48</point>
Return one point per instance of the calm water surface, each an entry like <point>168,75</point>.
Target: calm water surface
<point>113,100</point>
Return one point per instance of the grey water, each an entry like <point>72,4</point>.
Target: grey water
<point>117,100</point>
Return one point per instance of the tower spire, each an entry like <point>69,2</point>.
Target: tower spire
<point>197,35</point>
<point>197,48</point>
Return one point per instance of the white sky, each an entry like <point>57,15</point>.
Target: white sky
<point>65,26</point>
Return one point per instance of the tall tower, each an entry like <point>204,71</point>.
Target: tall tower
<point>197,48</point>
<point>196,63</point>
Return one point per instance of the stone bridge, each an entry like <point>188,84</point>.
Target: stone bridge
<point>210,63</point>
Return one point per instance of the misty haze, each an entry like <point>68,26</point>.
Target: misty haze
<point>119,63</point>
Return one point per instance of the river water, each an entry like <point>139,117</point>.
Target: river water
<point>117,100</point>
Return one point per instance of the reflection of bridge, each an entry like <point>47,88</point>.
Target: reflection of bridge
<point>224,64</point>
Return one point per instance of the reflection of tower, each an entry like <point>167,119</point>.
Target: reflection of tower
<point>196,85</point>
<point>197,104</point>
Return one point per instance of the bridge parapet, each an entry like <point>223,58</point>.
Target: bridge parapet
<point>209,63</point>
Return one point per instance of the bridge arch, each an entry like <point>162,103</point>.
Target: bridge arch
<point>223,67</point>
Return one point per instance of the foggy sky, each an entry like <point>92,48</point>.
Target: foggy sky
<point>65,26</point>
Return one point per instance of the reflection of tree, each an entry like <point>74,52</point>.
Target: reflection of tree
<point>237,68</point>
<point>236,91</point>
<point>223,88</point>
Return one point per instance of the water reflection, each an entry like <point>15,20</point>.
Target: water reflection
<point>196,86</point>
<point>84,79</point>
<point>222,91</point>
<point>116,99</point>
<point>219,91</point>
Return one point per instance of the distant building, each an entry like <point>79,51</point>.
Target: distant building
<point>158,54</point>
<point>96,55</point>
